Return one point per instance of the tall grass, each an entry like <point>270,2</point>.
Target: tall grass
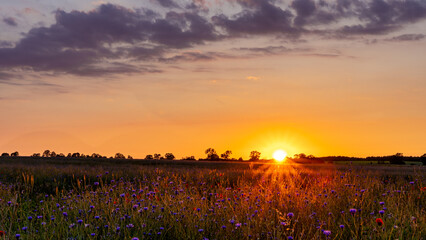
<point>193,201</point>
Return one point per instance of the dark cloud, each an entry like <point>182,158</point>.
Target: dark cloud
<point>79,42</point>
<point>263,18</point>
<point>113,39</point>
<point>381,17</point>
<point>304,9</point>
<point>6,44</point>
<point>407,37</point>
<point>10,21</point>
<point>168,3</point>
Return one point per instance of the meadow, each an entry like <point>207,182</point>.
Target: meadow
<point>136,199</point>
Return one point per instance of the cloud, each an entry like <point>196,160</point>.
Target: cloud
<point>252,78</point>
<point>168,3</point>
<point>6,44</point>
<point>195,56</point>
<point>381,17</point>
<point>270,50</point>
<point>112,39</point>
<point>262,17</point>
<point>4,76</point>
<point>407,37</point>
<point>81,42</point>
<point>10,21</point>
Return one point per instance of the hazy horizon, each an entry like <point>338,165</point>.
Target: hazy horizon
<point>156,76</point>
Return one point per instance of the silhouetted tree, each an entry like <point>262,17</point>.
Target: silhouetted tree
<point>53,154</point>
<point>254,156</point>
<point>398,158</point>
<point>423,158</point>
<point>300,156</point>
<point>61,155</point>
<point>189,158</point>
<point>149,157</point>
<point>5,154</point>
<point>15,154</point>
<point>75,155</point>
<point>129,157</point>
<point>35,155</point>
<point>119,156</point>
<point>169,156</point>
<point>157,156</point>
<point>226,154</point>
<point>96,155</point>
<point>46,153</point>
<point>211,154</point>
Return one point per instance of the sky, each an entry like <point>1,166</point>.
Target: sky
<point>138,77</point>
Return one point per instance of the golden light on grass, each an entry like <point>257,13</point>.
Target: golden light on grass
<point>279,155</point>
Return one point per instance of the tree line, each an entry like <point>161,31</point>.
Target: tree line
<point>212,155</point>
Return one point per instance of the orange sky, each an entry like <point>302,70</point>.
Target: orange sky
<point>353,97</point>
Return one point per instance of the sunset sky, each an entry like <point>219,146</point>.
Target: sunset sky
<point>345,77</point>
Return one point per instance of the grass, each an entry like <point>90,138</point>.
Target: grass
<point>57,199</point>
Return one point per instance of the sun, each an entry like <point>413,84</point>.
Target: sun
<point>279,155</point>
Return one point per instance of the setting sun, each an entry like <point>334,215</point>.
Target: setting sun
<point>279,155</point>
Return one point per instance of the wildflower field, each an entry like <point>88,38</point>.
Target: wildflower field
<point>191,200</point>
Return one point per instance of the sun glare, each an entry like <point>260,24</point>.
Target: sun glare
<point>279,155</point>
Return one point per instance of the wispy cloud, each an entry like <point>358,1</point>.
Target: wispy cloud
<point>10,21</point>
<point>407,37</point>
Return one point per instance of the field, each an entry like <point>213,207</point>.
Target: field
<point>135,199</point>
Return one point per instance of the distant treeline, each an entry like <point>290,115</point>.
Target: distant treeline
<point>255,156</point>
<point>397,158</point>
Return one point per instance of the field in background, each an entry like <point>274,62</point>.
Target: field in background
<point>151,199</point>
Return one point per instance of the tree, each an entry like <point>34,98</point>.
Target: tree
<point>119,156</point>
<point>5,154</point>
<point>96,155</point>
<point>149,157</point>
<point>129,157</point>
<point>15,154</point>
<point>53,154</point>
<point>61,155</point>
<point>254,156</point>
<point>398,158</point>
<point>157,156</point>
<point>46,153</point>
<point>35,155</point>
<point>211,154</point>
<point>423,158</point>
<point>169,156</point>
<point>75,155</point>
<point>226,154</point>
<point>300,156</point>
<point>189,158</point>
